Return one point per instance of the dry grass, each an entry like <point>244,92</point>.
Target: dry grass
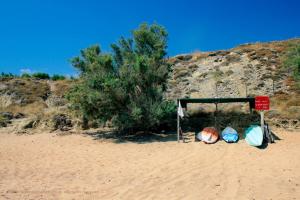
<point>28,91</point>
<point>279,46</point>
<point>28,96</point>
<point>287,106</point>
<point>25,95</point>
<point>34,108</point>
<point>263,49</point>
<point>61,87</point>
<point>181,72</point>
<point>197,55</point>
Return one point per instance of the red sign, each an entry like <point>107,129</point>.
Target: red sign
<point>262,103</point>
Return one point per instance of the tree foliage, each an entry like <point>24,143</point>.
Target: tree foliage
<point>7,75</point>
<point>25,75</point>
<point>126,86</point>
<point>40,75</point>
<point>57,77</point>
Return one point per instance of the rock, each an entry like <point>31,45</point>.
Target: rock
<point>261,84</point>
<point>19,116</point>
<point>181,73</point>
<point>218,59</point>
<point>193,67</point>
<point>31,123</point>
<point>222,53</point>
<point>233,57</point>
<point>6,115</point>
<point>62,122</point>
<point>184,57</point>
<point>212,54</point>
<point>3,123</point>
<point>3,87</point>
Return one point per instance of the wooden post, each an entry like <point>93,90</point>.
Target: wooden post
<point>216,113</point>
<point>273,87</point>
<point>262,121</point>
<point>216,117</point>
<point>178,123</point>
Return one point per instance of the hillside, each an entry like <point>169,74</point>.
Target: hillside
<point>26,104</point>
<point>247,70</point>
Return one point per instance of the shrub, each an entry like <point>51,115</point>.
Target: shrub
<point>40,75</point>
<point>7,75</point>
<point>229,72</point>
<point>292,61</point>
<point>57,77</point>
<point>3,121</point>
<point>217,74</point>
<point>25,75</point>
<point>125,87</point>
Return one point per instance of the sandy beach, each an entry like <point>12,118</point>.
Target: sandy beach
<point>49,166</point>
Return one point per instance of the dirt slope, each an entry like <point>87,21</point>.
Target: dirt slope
<point>247,70</point>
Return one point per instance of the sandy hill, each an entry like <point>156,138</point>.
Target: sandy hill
<point>246,70</point>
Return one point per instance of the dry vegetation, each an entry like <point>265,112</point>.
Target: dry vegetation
<point>258,65</point>
<point>39,103</point>
<point>29,96</point>
<point>23,95</point>
<point>42,100</point>
<point>60,87</point>
<point>285,106</point>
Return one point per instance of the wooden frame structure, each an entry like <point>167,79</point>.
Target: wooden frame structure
<point>184,101</point>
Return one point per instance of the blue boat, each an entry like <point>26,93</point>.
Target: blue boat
<point>254,135</point>
<point>230,135</point>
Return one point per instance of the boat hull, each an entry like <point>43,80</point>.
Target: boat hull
<point>208,135</point>
<point>230,135</point>
<point>254,135</point>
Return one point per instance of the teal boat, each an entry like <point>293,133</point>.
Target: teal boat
<point>254,135</point>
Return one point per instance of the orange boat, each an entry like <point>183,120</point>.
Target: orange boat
<point>208,135</point>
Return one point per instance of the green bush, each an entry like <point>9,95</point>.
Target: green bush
<point>57,77</point>
<point>292,61</point>
<point>25,75</point>
<point>125,87</point>
<point>40,75</point>
<point>7,75</point>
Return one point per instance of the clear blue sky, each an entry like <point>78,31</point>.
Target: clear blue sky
<point>43,35</point>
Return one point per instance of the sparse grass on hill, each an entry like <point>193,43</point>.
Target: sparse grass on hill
<point>25,95</point>
<point>61,87</point>
<point>286,106</point>
<point>291,61</point>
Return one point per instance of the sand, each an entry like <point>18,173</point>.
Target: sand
<point>48,166</point>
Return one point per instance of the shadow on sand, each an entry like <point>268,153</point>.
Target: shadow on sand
<point>266,143</point>
<point>139,137</point>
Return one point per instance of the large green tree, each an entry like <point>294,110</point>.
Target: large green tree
<point>127,85</point>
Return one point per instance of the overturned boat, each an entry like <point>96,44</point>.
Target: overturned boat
<point>230,135</point>
<point>208,135</point>
<point>254,135</point>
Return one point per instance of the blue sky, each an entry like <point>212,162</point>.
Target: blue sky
<point>42,36</point>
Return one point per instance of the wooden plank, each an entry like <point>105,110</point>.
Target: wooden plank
<point>185,101</point>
